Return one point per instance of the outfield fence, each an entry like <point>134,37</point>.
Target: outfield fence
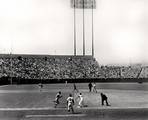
<point>7,80</point>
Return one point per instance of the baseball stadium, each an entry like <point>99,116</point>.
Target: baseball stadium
<point>31,83</point>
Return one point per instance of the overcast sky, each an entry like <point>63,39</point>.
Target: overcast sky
<point>46,27</point>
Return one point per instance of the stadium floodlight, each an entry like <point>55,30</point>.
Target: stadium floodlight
<point>86,4</point>
<point>83,4</point>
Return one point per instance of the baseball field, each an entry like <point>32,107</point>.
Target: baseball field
<point>129,101</point>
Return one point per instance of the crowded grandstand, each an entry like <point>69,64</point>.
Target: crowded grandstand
<point>43,67</point>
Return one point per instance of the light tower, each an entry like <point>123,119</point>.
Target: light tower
<point>83,4</point>
<point>75,50</point>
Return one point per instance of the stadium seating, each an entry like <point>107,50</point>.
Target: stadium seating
<point>48,67</point>
<point>144,72</point>
<point>130,71</point>
<point>63,67</point>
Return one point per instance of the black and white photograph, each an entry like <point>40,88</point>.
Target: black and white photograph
<point>73,59</point>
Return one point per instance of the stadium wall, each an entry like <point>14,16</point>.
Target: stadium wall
<point>7,81</point>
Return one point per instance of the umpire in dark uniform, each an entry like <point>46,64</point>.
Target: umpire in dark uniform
<point>104,99</point>
<point>90,86</point>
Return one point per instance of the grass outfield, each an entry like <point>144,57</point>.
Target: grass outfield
<point>128,102</point>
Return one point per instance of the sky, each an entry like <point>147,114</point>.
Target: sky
<point>46,27</point>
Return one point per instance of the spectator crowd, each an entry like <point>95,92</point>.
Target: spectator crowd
<point>64,67</point>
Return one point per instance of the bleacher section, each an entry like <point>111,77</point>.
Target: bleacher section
<point>144,72</point>
<point>48,67</point>
<point>64,67</point>
<point>130,71</point>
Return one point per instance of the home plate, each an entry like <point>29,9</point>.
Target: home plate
<point>46,116</point>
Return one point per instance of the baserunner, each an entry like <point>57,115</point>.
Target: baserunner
<point>57,97</point>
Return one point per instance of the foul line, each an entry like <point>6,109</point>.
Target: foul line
<point>46,116</point>
<point>25,109</point>
<point>52,108</point>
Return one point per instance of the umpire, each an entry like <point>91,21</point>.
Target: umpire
<point>104,99</point>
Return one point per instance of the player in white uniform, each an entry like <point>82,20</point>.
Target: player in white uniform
<point>70,103</point>
<point>81,100</point>
<point>94,87</point>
